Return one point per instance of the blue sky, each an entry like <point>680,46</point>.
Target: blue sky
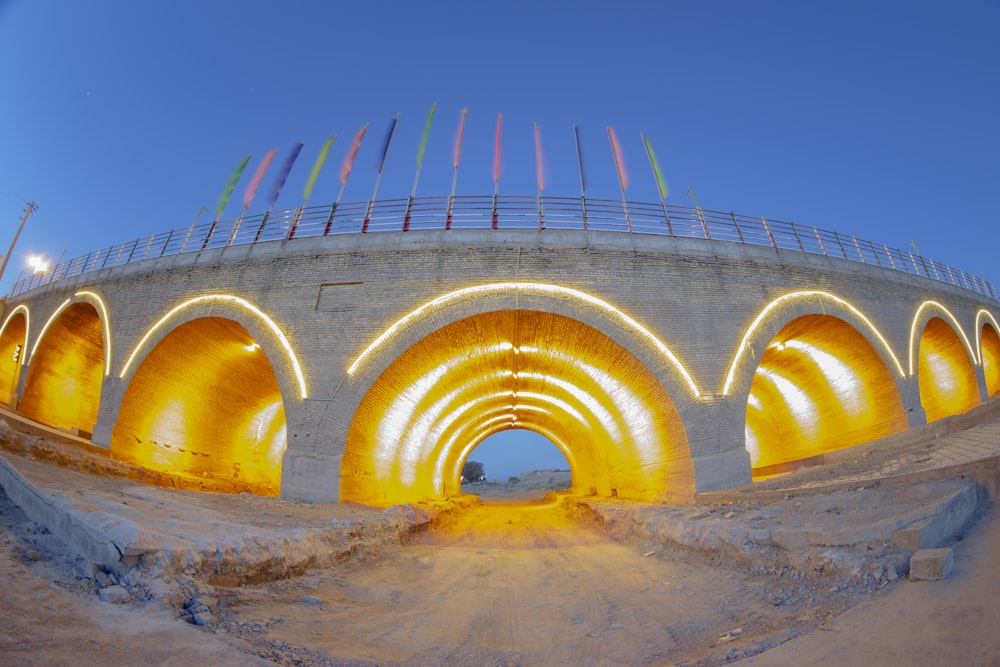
<point>872,118</point>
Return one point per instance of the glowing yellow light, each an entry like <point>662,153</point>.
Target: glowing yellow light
<point>539,288</point>
<point>246,305</point>
<point>41,334</point>
<point>27,321</point>
<point>252,347</point>
<point>981,316</point>
<point>799,404</point>
<point>106,328</point>
<point>954,323</point>
<point>37,263</point>
<point>841,377</point>
<point>751,330</point>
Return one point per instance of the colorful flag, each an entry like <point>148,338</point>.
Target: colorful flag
<point>228,190</point>
<point>661,182</point>
<point>427,133</point>
<point>538,156</point>
<point>496,155</point>
<point>258,176</point>
<point>283,175</point>
<point>458,138</point>
<point>388,140</point>
<point>345,170</point>
<point>619,161</point>
<point>579,159</point>
<point>314,174</point>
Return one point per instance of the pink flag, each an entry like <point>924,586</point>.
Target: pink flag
<point>458,139</point>
<point>619,162</point>
<point>258,176</point>
<point>352,153</point>
<point>538,156</point>
<point>496,157</point>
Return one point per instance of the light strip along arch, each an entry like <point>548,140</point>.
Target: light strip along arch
<point>536,288</point>
<point>242,303</point>
<point>981,316</point>
<point>804,294</point>
<point>27,320</point>
<point>954,322</point>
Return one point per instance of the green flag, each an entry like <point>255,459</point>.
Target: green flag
<point>224,197</point>
<point>661,182</point>
<point>427,132</point>
<point>314,174</point>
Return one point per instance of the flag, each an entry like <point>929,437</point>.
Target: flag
<point>345,170</point>
<point>228,190</point>
<point>579,159</point>
<point>458,138</point>
<point>258,176</point>
<point>496,155</point>
<point>283,175</point>
<point>427,133</point>
<point>388,140</point>
<point>619,162</point>
<point>314,174</point>
<point>538,156</point>
<point>661,182</point>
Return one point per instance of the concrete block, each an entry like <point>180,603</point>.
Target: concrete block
<point>931,564</point>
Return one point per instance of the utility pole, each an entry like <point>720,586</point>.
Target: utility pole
<point>32,207</point>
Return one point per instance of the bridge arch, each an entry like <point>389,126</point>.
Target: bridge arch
<point>943,360</point>
<point>67,363</point>
<point>988,333</point>
<point>815,375</point>
<point>13,343</point>
<point>480,370</point>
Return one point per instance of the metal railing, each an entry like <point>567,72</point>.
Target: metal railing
<point>508,212</point>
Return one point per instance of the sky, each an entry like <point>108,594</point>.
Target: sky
<point>875,118</point>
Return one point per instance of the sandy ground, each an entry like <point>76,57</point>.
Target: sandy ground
<point>502,584</point>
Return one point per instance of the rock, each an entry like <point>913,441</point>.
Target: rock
<point>114,594</point>
<point>931,564</point>
<point>103,580</point>
<point>201,619</point>
<point>309,599</point>
<point>891,573</point>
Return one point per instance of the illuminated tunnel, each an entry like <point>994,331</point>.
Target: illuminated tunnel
<point>820,386</point>
<point>947,379</point>
<point>63,384</point>
<point>12,341</point>
<point>205,405</point>
<point>436,401</point>
<point>990,352</point>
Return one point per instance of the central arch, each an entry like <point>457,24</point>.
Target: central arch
<point>610,416</point>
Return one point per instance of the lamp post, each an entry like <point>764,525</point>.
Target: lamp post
<point>32,207</point>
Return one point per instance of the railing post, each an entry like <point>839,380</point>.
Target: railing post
<point>739,232</point>
<point>843,252</point>
<point>795,233</point>
<point>329,220</point>
<point>889,255</point>
<point>135,244</point>
<point>875,252</point>
<point>166,243</point>
<point>857,246</point>
<point>767,228</point>
<point>819,238</point>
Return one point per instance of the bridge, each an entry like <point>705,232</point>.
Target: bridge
<point>360,352</point>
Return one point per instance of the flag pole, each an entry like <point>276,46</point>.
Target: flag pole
<point>455,157</point>
<point>420,164</point>
<point>310,183</point>
<point>224,198</point>
<point>701,215</point>
<point>496,173</point>
<point>583,183</point>
<point>661,183</point>
<point>345,171</point>
<point>381,163</point>
<point>541,180</point>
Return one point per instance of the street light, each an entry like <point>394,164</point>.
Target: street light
<point>37,263</point>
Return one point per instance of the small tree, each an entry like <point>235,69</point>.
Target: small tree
<point>473,471</point>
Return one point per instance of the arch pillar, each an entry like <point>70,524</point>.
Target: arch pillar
<point>909,394</point>
<point>715,427</point>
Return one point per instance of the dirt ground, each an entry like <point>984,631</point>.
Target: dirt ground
<point>502,584</point>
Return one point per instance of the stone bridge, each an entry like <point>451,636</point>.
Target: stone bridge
<point>367,367</point>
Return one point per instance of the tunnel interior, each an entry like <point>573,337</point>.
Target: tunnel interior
<point>820,386</point>
<point>991,359</point>
<point>204,406</point>
<point>63,385</point>
<point>435,402</point>
<point>12,342</point>
<point>946,377</point>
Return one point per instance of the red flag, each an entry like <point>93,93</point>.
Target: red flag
<point>352,153</point>
<point>458,139</point>
<point>258,176</point>
<point>619,161</point>
<point>496,157</point>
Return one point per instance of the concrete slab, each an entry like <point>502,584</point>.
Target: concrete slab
<point>931,564</point>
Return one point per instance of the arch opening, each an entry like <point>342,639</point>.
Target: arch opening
<point>990,353</point>
<point>12,350</point>
<point>66,370</point>
<point>820,386</point>
<point>438,400</point>
<point>526,463</point>
<point>947,380</point>
<point>205,408</point>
